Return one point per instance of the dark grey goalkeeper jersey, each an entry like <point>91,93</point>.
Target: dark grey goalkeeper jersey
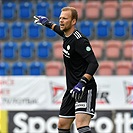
<point>78,57</point>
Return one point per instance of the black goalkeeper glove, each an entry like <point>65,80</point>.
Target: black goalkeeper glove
<point>42,20</point>
<point>78,90</point>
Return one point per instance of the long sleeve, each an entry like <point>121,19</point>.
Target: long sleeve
<point>58,31</point>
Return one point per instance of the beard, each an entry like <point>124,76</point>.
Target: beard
<point>65,29</point>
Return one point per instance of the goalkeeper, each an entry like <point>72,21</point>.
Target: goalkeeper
<point>80,62</point>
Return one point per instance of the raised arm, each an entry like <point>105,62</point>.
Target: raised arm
<point>44,21</point>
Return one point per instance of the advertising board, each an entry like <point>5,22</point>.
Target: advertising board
<point>45,121</point>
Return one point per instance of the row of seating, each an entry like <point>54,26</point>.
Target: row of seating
<point>56,68</point>
<point>112,49</point>
<point>26,50</point>
<point>89,9</point>
<point>19,30</point>
<point>121,29</point>
<point>118,68</point>
<point>106,36</point>
<point>108,9</point>
<point>51,68</point>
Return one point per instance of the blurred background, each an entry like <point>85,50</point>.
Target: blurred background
<point>32,75</point>
<point>26,47</point>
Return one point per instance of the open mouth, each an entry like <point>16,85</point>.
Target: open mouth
<point>61,25</point>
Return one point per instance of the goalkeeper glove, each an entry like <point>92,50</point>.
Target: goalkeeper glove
<point>78,90</point>
<point>41,20</point>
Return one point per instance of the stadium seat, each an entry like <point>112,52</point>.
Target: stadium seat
<point>87,28</point>
<point>4,68</point>
<point>44,50</point>
<point>126,9</point>
<point>121,29</point>
<point>34,31</point>
<point>49,33</point>
<point>106,68</point>
<point>42,9</point>
<point>128,49</point>
<point>19,68</point>
<point>57,6</point>
<point>25,10</point>
<point>37,68</point>
<point>57,50</point>
<point>3,30</point>
<point>97,46</point>
<point>79,5</point>
<point>9,10</point>
<point>18,30</point>
<point>113,49</point>
<point>110,9</point>
<point>104,29</point>
<point>9,50</point>
<point>131,29</point>
<point>123,67</point>
<point>0,51</point>
<point>27,50</point>
<point>54,68</point>
<point>93,9</point>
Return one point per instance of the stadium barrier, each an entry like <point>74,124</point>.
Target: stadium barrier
<point>30,104</point>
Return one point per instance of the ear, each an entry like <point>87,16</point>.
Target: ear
<point>74,21</point>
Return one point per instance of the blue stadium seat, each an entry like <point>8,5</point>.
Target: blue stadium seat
<point>9,10</point>
<point>44,50</point>
<point>132,29</point>
<point>87,28</point>
<point>9,50</point>
<point>0,51</point>
<point>18,30</point>
<point>42,9</point>
<point>121,29</point>
<point>27,50</point>
<point>49,33</point>
<point>37,68</point>
<point>57,6</point>
<point>103,29</point>
<point>19,68</point>
<point>34,30</point>
<point>25,11</point>
<point>3,30</point>
<point>4,68</point>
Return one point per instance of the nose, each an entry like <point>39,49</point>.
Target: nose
<point>61,20</point>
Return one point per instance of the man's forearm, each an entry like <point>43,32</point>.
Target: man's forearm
<point>88,76</point>
<point>53,26</point>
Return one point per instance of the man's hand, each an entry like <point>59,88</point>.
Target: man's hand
<point>78,90</point>
<point>42,20</point>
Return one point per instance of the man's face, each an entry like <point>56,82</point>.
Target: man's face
<point>65,20</point>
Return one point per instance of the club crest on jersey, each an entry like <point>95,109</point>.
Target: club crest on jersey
<point>88,48</point>
<point>68,47</point>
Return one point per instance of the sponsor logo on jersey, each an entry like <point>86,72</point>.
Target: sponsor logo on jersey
<point>66,53</point>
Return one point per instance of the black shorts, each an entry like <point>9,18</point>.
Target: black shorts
<point>86,105</point>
